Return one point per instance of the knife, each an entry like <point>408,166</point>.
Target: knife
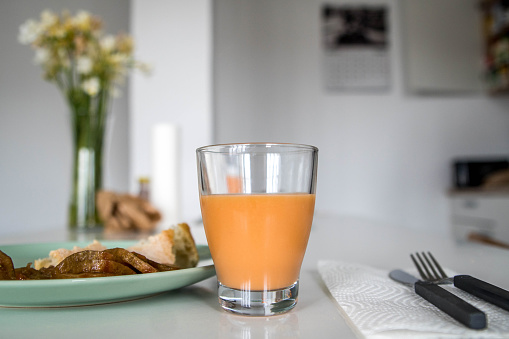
<point>452,305</point>
<point>481,289</point>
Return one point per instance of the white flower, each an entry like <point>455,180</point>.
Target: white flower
<point>42,56</point>
<point>82,20</point>
<point>58,32</point>
<point>29,32</point>
<point>120,59</point>
<point>107,43</point>
<point>74,52</point>
<point>48,18</point>
<point>84,65</point>
<point>91,86</point>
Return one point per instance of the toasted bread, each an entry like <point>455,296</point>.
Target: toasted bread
<point>174,246</point>
<point>186,254</point>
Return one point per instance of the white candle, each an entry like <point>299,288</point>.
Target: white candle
<point>165,190</point>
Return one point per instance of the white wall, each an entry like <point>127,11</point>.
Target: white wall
<point>382,156</point>
<point>35,137</point>
<point>175,37</point>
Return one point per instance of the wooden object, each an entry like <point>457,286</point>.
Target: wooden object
<point>126,212</point>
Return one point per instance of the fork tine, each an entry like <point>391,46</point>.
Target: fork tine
<point>428,273</point>
<point>437,265</point>
<point>436,276</point>
<point>421,272</point>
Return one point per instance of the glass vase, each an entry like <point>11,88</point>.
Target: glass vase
<point>88,124</point>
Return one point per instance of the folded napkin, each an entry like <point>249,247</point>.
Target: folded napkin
<point>378,307</point>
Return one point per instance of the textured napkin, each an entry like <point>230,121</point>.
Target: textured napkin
<point>378,307</point>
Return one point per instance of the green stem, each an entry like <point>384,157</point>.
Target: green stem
<point>88,123</point>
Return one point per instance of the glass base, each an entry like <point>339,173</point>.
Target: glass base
<point>258,303</point>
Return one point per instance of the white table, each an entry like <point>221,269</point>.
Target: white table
<point>193,312</point>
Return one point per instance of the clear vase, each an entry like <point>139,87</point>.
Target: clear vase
<point>88,120</point>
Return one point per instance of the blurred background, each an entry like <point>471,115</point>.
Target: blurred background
<point>254,70</point>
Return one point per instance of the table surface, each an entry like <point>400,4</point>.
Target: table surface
<point>193,311</point>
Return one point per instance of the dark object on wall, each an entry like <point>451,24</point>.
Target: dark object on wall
<point>472,172</point>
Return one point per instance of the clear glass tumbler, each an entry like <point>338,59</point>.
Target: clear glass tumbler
<point>257,202</point>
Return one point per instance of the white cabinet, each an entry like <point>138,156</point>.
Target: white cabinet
<point>484,213</point>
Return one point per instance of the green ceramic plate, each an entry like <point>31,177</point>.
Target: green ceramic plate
<point>90,291</point>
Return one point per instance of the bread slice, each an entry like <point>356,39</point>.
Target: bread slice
<point>157,247</point>
<point>186,254</point>
<point>174,246</point>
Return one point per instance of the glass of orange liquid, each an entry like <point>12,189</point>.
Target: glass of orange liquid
<point>257,202</point>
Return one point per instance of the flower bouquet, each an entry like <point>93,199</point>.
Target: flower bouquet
<point>88,67</point>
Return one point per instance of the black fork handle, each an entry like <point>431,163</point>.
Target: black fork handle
<point>491,293</point>
<point>454,306</point>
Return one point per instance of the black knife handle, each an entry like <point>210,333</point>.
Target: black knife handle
<point>454,306</point>
<point>491,293</point>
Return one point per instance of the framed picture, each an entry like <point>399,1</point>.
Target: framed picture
<point>355,43</point>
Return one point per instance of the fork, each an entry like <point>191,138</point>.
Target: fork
<point>430,270</point>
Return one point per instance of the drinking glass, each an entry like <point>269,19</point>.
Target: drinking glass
<point>257,202</point>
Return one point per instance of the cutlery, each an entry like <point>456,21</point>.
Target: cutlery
<point>491,293</point>
<point>452,305</point>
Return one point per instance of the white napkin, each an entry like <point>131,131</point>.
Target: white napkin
<point>378,307</point>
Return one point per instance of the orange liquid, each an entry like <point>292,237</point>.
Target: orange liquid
<point>257,241</point>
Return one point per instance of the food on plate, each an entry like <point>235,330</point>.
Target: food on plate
<point>56,256</point>
<point>174,246</point>
<point>169,250</point>
<point>85,264</point>
<point>6,267</point>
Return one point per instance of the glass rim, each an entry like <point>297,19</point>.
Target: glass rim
<point>225,148</point>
